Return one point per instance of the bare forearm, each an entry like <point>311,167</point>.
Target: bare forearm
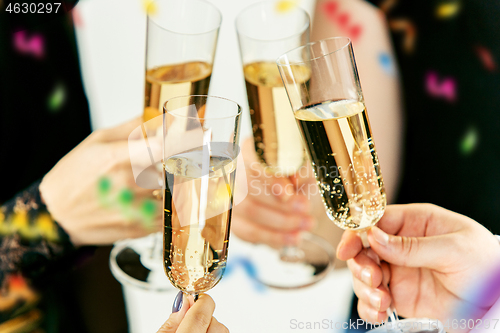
<point>367,28</point>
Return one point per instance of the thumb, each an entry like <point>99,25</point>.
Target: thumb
<point>120,132</point>
<point>425,252</point>
<point>175,319</point>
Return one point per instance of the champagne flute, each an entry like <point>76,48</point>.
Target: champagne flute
<point>331,115</point>
<point>180,48</point>
<point>264,33</point>
<point>181,40</point>
<point>200,150</point>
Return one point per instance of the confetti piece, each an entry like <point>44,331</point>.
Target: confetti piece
<point>445,88</point>
<point>408,29</point>
<point>486,58</point>
<point>125,197</point>
<point>46,227</point>
<point>387,63</point>
<point>342,19</point>
<point>57,98</point>
<point>34,45</point>
<point>148,208</point>
<point>284,6</point>
<point>77,18</point>
<point>104,186</point>
<point>20,220</point>
<point>448,10</point>
<point>469,142</point>
<point>150,7</point>
<point>387,5</point>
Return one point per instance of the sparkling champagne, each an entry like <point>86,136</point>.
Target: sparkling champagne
<point>197,215</point>
<point>163,83</point>
<point>345,162</point>
<point>277,139</point>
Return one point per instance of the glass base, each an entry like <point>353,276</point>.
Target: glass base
<point>415,325</point>
<point>292,268</point>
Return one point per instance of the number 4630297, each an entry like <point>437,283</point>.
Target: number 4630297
<point>471,324</point>
<point>33,8</point>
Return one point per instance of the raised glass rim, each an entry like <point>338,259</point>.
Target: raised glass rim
<point>217,26</point>
<point>172,112</point>
<point>262,3</point>
<point>281,63</point>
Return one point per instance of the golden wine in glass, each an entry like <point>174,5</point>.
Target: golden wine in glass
<point>200,155</point>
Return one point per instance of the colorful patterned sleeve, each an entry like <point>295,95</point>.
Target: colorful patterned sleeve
<point>31,242</point>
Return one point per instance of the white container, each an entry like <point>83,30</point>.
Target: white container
<point>148,303</point>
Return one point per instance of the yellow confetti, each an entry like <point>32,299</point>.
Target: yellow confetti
<point>285,5</point>
<point>4,227</point>
<point>46,227</point>
<point>448,10</point>
<point>149,7</point>
<point>20,220</point>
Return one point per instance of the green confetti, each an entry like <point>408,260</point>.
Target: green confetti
<point>57,98</point>
<point>469,142</point>
<point>104,186</point>
<point>148,208</point>
<point>125,197</point>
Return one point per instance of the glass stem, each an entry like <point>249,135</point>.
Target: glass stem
<point>393,320</point>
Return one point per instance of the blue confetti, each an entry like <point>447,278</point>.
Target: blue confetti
<point>387,63</point>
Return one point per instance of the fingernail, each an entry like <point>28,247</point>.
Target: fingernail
<point>375,300</point>
<point>366,276</point>
<point>176,307</point>
<point>381,237</point>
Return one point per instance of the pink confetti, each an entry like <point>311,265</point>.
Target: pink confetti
<point>343,19</point>
<point>445,88</point>
<point>77,18</point>
<point>34,45</point>
<point>486,58</point>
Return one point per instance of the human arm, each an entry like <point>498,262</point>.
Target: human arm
<point>377,68</point>
<point>33,243</point>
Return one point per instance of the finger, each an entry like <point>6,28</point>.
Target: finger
<point>120,132</point>
<point>216,327</point>
<point>136,152</point>
<point>277,189</point>
<point>368,313</point>
<point>199,317</point>
<point>379,299</point>
<point>386,273</point>
<point>271,218</point>
<point>175,319</point>
<point>414,251</point>
<point>273,191</point>
<point>419,220</point>
<point>350,245</point>
<point>365,269</point>
<point>255,233</point>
